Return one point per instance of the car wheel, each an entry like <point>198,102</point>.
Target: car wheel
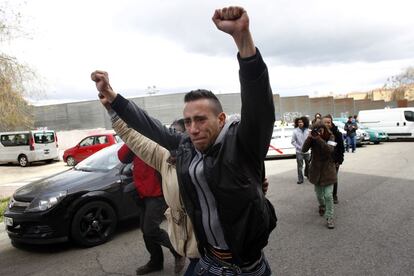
<point>23,161</point>
<point>70,161</point>
<point>93,224</point>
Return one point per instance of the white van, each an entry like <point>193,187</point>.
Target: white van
<point>25,147</point>
<point>396,122</point>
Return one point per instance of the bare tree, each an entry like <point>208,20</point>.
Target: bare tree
<point>401,80</point>
<point>14,78</point>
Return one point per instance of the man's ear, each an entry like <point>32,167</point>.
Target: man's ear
<point>222,119</point>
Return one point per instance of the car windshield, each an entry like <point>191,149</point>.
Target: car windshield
<point>103,160</point>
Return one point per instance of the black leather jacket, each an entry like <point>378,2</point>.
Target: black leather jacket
<point>233,168</point>
<point>338,154</point>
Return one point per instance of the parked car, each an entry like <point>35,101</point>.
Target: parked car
<point>88,146</point>
<point>82,204</point>
<point>375,136</point>
<point>396,122</point>
<point>281,145</point>
<point>25,147</point>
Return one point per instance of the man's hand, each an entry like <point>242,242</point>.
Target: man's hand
<point>231,20</point>
<point>235,22</point>
<point>106,94</point>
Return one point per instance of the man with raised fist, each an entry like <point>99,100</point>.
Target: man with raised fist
<point>220,163</point>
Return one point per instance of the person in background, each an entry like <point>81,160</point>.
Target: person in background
<point>148,184</point>
<point>300,133</point>
<point>338,154</point>
<point>356,119</point>
<point>350,128</point>
<point>322,171</point>
<point>317,118</point>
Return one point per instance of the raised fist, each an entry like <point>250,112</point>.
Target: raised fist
<point>106,94</point>
<point>231,20</point>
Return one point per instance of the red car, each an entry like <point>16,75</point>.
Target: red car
<point>89,146</point>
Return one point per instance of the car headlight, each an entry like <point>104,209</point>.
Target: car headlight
<point>46,202</point>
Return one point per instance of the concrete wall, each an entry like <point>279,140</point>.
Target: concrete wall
<point>292,107</point>
<point>322,105</point>
<point>91,115</point>
<point>368,104</point>
<point>344,107</point>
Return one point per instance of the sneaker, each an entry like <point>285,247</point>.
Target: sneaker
<point>148,268</point>
<point>299,182</point>
<point>330,223</point>
<point>335,200</point>
<point>321,210</point>
<point>179,264</point>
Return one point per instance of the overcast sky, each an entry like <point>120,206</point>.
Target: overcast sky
<point>311,47</point>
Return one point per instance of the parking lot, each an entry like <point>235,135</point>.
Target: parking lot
<point>373,235</point>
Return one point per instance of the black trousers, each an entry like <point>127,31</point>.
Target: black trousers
<point>151,215</point>
<point>335,187</point>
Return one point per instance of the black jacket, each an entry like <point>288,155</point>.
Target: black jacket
<point>338,154</point>
<point>233,168</point>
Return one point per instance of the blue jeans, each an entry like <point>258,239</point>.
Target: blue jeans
<point>350,142</point>
<point>300,157</point>
<point>208,266</point>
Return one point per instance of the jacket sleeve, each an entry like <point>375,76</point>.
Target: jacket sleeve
<point>125,155</point>
<point>293,141</point>
<point>147,150</point>
<point>307,144</point>
<point>139,120</point>
<point>257,111</point>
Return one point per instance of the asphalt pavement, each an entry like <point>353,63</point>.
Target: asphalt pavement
<point>374,233</point>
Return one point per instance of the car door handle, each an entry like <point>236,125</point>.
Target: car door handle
<point>398,124</point>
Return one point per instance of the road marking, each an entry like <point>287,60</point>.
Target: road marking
<point>278,150</point>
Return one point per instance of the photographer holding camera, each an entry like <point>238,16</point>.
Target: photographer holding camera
<point>322,170</point>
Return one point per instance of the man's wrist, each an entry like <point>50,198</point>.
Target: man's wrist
<point>245,44</point>
<point>111,96</point>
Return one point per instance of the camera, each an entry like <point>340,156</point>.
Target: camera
<point>315,131</point>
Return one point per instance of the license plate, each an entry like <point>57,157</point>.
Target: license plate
<point>8,221</point>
